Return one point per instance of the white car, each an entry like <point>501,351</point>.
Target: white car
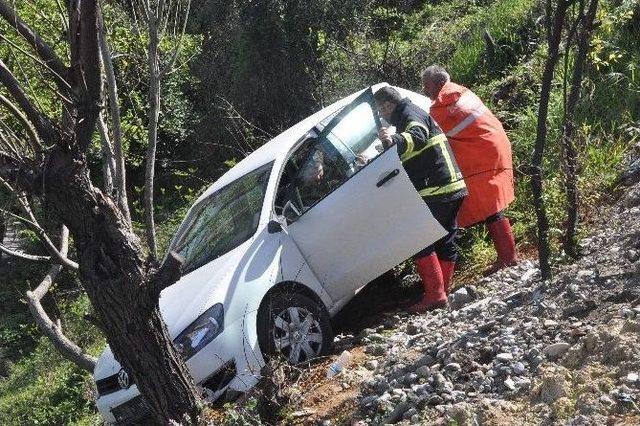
<point>278,245</point>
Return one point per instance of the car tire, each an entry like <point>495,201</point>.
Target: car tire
<point>294,326</point>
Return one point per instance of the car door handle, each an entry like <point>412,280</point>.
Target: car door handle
<point>388,177</point>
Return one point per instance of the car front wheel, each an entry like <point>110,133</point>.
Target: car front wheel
<point>294,326</point>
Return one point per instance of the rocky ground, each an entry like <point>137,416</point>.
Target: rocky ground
<point>511,349</point>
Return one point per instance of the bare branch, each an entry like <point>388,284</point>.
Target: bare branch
<point>40,122</point>
<point>63,16</point>
<point>18,218</point>
<point>5,142</point>
<point>108,158</point>
<point>176,51</point>
<point>114,110</point>
<point>43,50</point>
<point>28,127</point>
<point>24,256</point>
<point>35,226</point>
<point>52,330</point>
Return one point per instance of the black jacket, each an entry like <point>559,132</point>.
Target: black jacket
<point>426,154</point>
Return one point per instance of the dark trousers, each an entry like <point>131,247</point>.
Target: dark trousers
<point>445,213</point>
<point>493,218</point>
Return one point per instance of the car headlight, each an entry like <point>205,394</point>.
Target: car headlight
<point>200,332</point>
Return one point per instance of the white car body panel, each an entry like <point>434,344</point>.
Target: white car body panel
<point>393,222</point>
<point>360,231</point>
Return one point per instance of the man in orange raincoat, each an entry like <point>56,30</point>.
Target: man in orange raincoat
<point>483,152</point>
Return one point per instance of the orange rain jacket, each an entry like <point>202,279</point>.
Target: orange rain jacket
<point>482,150</point>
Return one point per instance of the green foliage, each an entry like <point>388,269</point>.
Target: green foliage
<point>37,385</point>
<point>46,389</point>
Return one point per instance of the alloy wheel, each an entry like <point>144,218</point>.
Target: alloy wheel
<point>297,334</point>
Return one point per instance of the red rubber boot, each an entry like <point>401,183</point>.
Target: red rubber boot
<point>447,273</point>
<point>434,297</point>
<point>502,236</point>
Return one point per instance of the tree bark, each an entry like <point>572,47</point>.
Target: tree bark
<point>121,286</point>
<point>569,130</point>
<point>554,36</point>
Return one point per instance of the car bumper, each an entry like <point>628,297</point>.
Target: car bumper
<point>231,361</point>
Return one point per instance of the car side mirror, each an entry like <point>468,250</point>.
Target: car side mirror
<point>273,227</point>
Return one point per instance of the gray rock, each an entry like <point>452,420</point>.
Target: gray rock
<point>518,368</point>
<point>368,400</point>
<point>410,378</point>
<point>452,366</point>
<point>382,386</point>
<point>435,400</point>
<point>504,357</point>
<point>632,174</point>
<point>423,371</point>
<point>412,329</point>
<point>527,276</point>
<point>556,350</point>
<point>604,399</point>
<point>460,298</point>
<point>409,413</point>
<point>510,384</point>
<point>552,388</point>
<point>631,378</point>
<point>375,350</point>
<point>371,364</point>
<point>425,360</point>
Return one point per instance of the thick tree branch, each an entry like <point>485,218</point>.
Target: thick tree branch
<point>114,110</point>
<point>86,70</point>
<point>167,274</point>
<point>43,50</point>
<point>40,122</point>
<point>52,330</point>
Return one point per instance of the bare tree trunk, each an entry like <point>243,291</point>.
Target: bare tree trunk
<point>114,108</point>
<point>569,127</point>
<point>124,289</point>
<point>154,113</point>
<point>554,37</point>
<point>52,330</point>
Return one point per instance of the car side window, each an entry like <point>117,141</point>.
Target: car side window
<point>314,171</point>
<point>323,163</point>
<point>355,136</point>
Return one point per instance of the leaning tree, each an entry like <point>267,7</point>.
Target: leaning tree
<point>52,165</point>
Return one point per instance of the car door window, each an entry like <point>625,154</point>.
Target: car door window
<point>324,162</point>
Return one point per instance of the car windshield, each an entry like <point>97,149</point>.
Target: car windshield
<point>224,220</point>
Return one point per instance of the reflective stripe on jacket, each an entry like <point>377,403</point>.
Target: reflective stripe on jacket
<point>425,154</point>
<point>481,148</point>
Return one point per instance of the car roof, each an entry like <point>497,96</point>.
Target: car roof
<point>281,144</point>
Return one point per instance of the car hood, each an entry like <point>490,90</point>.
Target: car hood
<point>186,300</point>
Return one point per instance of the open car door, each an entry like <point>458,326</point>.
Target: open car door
<point>357,214</point>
